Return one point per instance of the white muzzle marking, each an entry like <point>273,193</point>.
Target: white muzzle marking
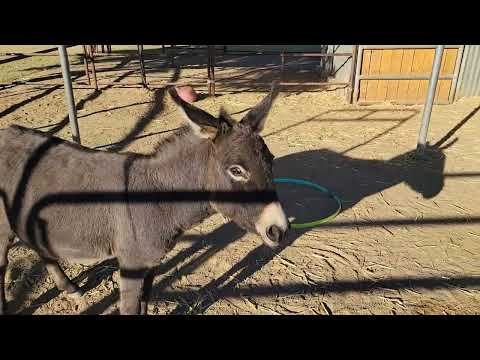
<point>272,214</point>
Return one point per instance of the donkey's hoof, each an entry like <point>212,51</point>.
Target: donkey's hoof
<point>3,310</point>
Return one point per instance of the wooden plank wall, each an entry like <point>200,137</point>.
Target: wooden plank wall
<point>404,62</point>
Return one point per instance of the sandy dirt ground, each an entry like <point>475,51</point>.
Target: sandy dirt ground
<point>407,242</point>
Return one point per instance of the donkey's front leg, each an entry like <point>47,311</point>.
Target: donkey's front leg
<point>3,271</point>
<point>61,280</point>
<point>131,289</point>
<point>147,289</point>
<point>4,245</point>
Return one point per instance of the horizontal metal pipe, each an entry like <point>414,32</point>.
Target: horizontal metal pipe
<point>315,54</point>
<point>202,50</point>
<point>280,83</point>
<point>375,47</point>
<point>154,85</point>
<point>200,82</point>
<point>233,53</point>
<point>286,54</point>
<point>204,81</point>
<point>149,53</point>
<point>403,77</point>
<point>108,68</point>
<point>399,102</point>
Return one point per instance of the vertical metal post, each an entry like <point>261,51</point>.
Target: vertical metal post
<point>212,63</point>
<point>456,73</point>
<point>461,70</point>
<point>142,65</point>
<point>209,70</point>
<point>94,71</point>
<point>358,67</point>
<point>85,62</point>
<point>72,111</point>
<point>427,110</point>
<point>352,73</point>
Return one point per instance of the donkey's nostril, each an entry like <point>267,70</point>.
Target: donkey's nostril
<point>274,233</point>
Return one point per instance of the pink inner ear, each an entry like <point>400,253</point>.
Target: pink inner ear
<point>187,93</point>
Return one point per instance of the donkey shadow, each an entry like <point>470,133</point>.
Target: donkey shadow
<point>355,179</point>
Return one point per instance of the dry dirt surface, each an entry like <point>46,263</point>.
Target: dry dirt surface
<point>407,241</point>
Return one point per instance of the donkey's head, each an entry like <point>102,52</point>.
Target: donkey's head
<point>240,163</point>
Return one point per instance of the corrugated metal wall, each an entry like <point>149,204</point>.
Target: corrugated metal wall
<point>341,66</point>
<point>469,78</point>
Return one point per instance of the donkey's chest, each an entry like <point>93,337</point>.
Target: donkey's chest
<point>168,217</point>
<point>155,228</point>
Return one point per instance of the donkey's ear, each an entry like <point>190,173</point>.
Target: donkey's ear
<point>202,123</point>
<point>225,116</point>
<point>256,117</point>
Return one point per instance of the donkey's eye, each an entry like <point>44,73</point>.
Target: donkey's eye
<point>238,173</point>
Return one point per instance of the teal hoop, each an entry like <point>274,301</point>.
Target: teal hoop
<point>316,187</point>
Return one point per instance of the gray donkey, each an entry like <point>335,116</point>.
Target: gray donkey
<point>76,204</point>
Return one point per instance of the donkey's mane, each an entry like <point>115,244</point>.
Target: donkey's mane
<point>171,145</point>
<point>168,147</point>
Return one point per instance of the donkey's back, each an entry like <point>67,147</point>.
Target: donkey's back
<point>35,167</point>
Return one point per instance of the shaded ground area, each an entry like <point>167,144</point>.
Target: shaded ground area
<point>407,242</point>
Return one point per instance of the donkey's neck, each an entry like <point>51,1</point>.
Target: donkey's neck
<point>180,163</point>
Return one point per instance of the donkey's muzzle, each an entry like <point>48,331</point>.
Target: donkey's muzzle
<point>272,225</point>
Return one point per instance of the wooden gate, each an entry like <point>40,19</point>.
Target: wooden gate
<point>401,73</point>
